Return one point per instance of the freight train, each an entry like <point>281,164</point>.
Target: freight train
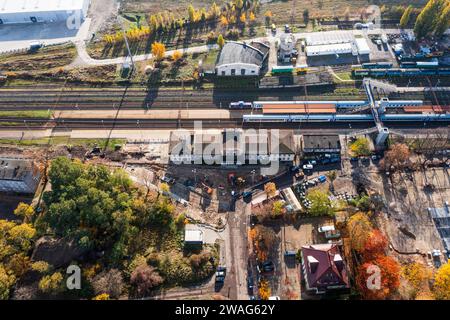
<point>400,72</point>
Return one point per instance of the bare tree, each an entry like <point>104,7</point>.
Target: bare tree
<point>145,277</point>
<point>109,282</point>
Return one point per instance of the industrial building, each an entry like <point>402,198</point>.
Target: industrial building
<point>241,59</point>
<point>335,43</point>
<point>34,11</point>
<point>286,50</point>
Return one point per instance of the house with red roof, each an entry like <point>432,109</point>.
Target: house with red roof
<point>324,269</point>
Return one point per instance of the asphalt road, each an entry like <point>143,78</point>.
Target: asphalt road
<point>235,286</point>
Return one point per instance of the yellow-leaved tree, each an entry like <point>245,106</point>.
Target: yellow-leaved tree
<point>441,286</point>
<point>158,50</point>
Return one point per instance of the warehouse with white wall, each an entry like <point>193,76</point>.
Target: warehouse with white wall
<point>34,11</point>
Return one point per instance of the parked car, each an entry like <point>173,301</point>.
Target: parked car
<point>290,253</point>
<point>326,228</point>
<point>250,283</point>
<point>274,298</point>
<point>220,274</point>
<point>246,194</point>
<point>168,180</point>
<point>308,167</point>
<point>268,266</point>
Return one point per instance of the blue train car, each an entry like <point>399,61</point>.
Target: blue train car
<point>408,65</point>
<point>444,72</point>
<point>394,72</point>
<point>351,104</point>
<point>378,72</point>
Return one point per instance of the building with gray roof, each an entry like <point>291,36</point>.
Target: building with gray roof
<point>241,59</point>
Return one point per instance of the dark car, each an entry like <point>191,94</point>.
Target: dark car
<point>268,266</point>
<point>246,194</point>
<point>295,168</point>
<point>168,180</point>
<point>250,283</point>
<point>220,274</point>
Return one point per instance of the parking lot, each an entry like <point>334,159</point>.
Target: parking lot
<point>19,36</point>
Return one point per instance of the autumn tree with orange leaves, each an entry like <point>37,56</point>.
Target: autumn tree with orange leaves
<point>263,239</point>
<point>389,280</point>
<point>375,245</point>
<point>264,290</point>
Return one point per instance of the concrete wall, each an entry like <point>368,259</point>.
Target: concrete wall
<point>226,69</point>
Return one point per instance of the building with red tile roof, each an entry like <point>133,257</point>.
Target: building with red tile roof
<point>323,268</point>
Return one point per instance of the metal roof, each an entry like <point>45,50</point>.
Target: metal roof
<point>16,6</point>
<point>193,235</point>
<point>236,52</point>
<point>329,37</point>
<point>441,218</point>
<point>327,49</point>
<point>363,47</point>
<point>298,107</point>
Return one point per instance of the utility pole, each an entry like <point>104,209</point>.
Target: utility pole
<point>128,46</point>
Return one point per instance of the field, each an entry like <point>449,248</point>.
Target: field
<point>281,9</point>
<point>46,59</point>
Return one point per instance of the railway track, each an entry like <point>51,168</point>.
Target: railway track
<point>140,124</point>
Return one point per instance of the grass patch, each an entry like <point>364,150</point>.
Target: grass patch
<point>344,75</point>
<point>45,59</point>
<point>89,143</point>
<point>39,114</point>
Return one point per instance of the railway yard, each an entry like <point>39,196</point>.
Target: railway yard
<point>358,133</point>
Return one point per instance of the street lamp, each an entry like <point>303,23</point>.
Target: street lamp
<point>195,175</point>
<point>253,176</point>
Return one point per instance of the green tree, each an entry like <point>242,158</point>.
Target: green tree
<point>278,208</point>
<point>428,18</point>
<point>320,203</point>
<point>443,22</point>
<point>220,41</point>
<point>404,20</point>
<point>360,147</point>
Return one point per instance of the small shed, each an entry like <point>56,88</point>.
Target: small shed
<point>193,237</point>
